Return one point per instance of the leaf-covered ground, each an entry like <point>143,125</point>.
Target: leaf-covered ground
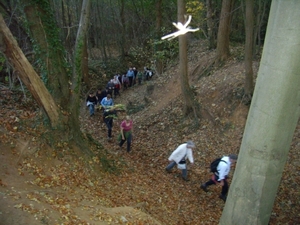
<point>40,185</point>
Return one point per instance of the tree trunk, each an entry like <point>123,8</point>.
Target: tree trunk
<point>260,19</point>
<point>271,122</point>
<point>190,103</point>
<point>210,25</point>
<point>123,30</point>
<point>85,64</point>
<point>159,63</point>
<point>27,74</point>
<point>248,86</point>
<point>77,68</point>
<point>48,49</point>
<point>224,31</point>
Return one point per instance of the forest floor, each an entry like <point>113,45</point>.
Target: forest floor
<point>42,185</point>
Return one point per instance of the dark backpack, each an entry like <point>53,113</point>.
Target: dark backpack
<point>214,164</point>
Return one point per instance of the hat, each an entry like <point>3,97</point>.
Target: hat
<point>190,144</point>
<point>233,156</point>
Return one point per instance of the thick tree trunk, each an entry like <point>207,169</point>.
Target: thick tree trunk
<point>224,31</point>
<point>78,67</point>
<point>271,122</point>
<point>248,86</point>
<point>27,74</point>
<point>48,49</point>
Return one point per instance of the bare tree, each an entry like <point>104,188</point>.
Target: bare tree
<point>248,85</point>
<point>189,100</point>
<point>47,36</point>
<point>210,24</point>
<point>27,74</point>
<point>81,52</point>
<point>224,30</point>
<point>271,122</point>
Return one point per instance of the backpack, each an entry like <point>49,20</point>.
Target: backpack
<point>215,163</point>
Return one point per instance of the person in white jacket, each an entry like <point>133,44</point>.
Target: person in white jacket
<point>220,177</point>
<point>179,157</point>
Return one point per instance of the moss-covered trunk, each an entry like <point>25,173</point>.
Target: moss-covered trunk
<point>27,74</point>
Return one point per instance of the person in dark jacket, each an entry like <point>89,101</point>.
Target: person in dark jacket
<point>91,101</point>
<point>110,87</point>
<point>100,95</point>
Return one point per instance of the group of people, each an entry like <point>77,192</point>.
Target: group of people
<point>108,114</point>
<point>128,79</point>
<point>184,152</point>
<point>178,157</point>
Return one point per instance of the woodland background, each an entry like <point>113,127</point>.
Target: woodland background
<point>68,173</point>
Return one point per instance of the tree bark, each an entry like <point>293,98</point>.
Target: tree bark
<point>190,103</point>
<point>223,52</point>
<point>27,74</point>
<point>159,63</point>
<point>77,68</point>
<point>271,122</point>
<point>48,49</point>
<point>210,25</point>
<point>248,85</point>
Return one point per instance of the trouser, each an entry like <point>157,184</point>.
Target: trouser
<point>140,80</point>
<point>130,81</point>
<point>92,109</point>
<point>214,179</point>
<point>128,139</point>
<point>117,92</point>
<point>109,125</point>
<point>172,164</point>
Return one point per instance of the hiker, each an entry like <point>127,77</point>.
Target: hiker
<point>148,73</point>
<point>100,95</point>
<point>110,86</point>
<point>91,101</point>
<point>108,114</point>
<point>130,76</point>
<point>108,117</point>
<point>220,174</point>
<point>125,81</point>
<point>117,86</point>
<point>135,72</point>
<point>140,77</point>
<point>107,102</point>
<point>179,157</point>
<point>126,127</point>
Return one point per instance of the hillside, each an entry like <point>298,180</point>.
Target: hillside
<point>40,185</point>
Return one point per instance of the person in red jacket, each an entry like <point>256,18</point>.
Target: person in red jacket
<point>126,128</point>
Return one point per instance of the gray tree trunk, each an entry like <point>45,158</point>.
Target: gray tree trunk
<point>271,122</point>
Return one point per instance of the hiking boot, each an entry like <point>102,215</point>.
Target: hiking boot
<point>223,197</point>
<point>169,171</point>
<point>185,179</point>
<point>203,187</point>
